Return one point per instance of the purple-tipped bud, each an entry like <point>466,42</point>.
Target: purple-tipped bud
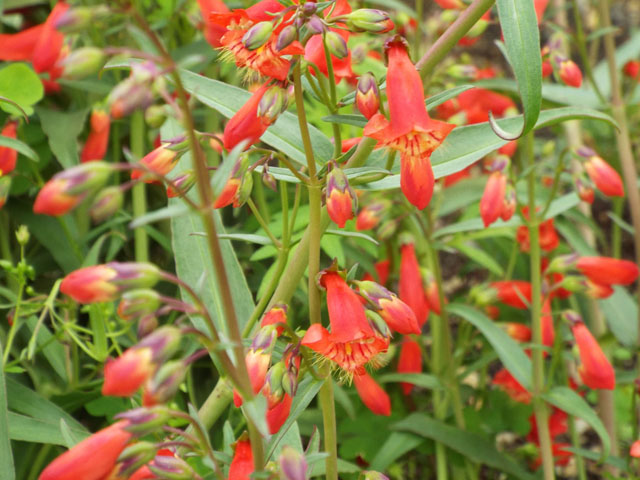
<point>273,103</point>
<point>369,20</point>
<point>273,389</point>
<point>145,420</point>
<point>163,342</point>
<point>293,465</point>
<point>586,152</point>
<point>286,37</point>
<point>562,263</point>
<point>378,323</point>
<point>134,457</point>
<point>265,339</point>
<point>316,25</point>
<point>367,96</point>
<point>269,180</point>
<point>130,275</point>
<point>184,182</point>
<point>129,95</point>
<point>257,35</point>
<point>571,316</point>
<point>336,44</point>
<point>83,62</point>
<point>138,303</point>
<point>165,383</point>
<point>172,468</point>
<point>500,163</point>
<point>78,19</point>
<point>342,201</point>
<point>106,204</point>
<point>309,8</point>
<point>84,178</point>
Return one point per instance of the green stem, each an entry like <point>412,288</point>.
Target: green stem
<point>5,247</point>
<point>327,405</point>
<point>256,212</point>
<point>627,162</point>
<point>582,50</point>
<point>452,35</point>
<point>539,406</point>
<point>138,192</point>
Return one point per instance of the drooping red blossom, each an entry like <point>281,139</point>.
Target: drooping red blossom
<point>511,386</point>
<point>410,131</point>
<point>410,289</point>
<point>246,124</point>
<point>266,59</point>
<point>604,176</point>
<point>632,69</point>
<point>598,290</point>
<point>159,161</point>
<point>493,198</point>
<point>8,156</point>
<point>570,73</point>
<point>213,32</point>
<point>608,271</point>
<point>352,342</point>
<point>53,199</point>
<point>126,374</point>
<point>91,459</point>
<point>518,331</point>
<point>341,199</point>
<point>595,369</point>
<point>278,414</point>
<point>409,361</point>
<point>372,394</point>
<point>95,147</point>
<point>515,293</point>
<point>228,194</point>
<point>241,466</point>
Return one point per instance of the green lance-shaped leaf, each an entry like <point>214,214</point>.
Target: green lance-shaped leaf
<point>522,43</point>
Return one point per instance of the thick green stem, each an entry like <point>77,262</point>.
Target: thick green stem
<point>539,406</point>
<point>327,405</point>
<point>452,35</point>
<point>138,192</point>
<point>629,172</point>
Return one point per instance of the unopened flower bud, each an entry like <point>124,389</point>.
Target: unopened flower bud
<point>265,339</point>
<point>387,229</point>
<point>367,96</point>
<point>171,468</point>
<point>293,465</point>
<point>244,190</point>
<point>146,325</point>
<point>273,390</point>
<point>316,25</point>
<point>133,92</point>
<point>183,182</point>
<point>397,314</point>
<point>155,116</point>
<point>134,457</point>
<point>23,235</point>
<point>336,44</point>
<point>145,420</point>
<point>106,203</point>
<point>277,316</point>
<point>159,162</point>
<point>369,20</point>
<point>257,35</point>
<point>604,176</point>
<point>286,37</point>
<point>83,62</point>
<point>378,323</point>
<point>584,190</point>
<point>341,199</point>
<point>568,71</point>
<point>509,203</point>
<point>462,71</point>
<point>165,383</point>
<point>309,8</point>
<point>163,342</point>
<point>273,103</point>
<point>138,303</point>
<point>78,19</point>
<point>269,180</point>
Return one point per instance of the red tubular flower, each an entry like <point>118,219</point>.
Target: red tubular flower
<point>515,293</point>
<point>608,271</point>
<point>212,31</point>
<point>277,315</point>
<point>367,98</point>
<point>493,198</point>
<point>228,194</point>
<point>47,49</point>
<point>595,369</point>
<point>597,290</point>
<point>278,414</point>
<point>511,386</point>
<point>241,466</point>
<point>352,342</point>
<point>397,314</point>
<point>246,124</point>
<point>95,147</point>
<point>265,59</point>
<point>604,176</point>
<point>548,236</point>
<point>369,216</point>
<point>632,69</point>
<point>372,394</point>
<point>410,289</point>
<point>91,459</point>
<point>8,156</point>
<point>159,161</point>
<point>548,331</point>
<point>19,46</point>
<point>409,361</point>
<point>410,131</point>
<point>54,200</point>
<point>126,374</point>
